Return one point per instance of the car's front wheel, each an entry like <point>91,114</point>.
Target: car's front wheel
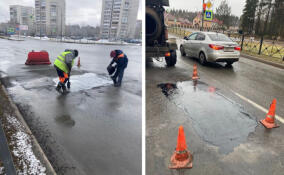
<point>202,58</point>
<point>182,52</point>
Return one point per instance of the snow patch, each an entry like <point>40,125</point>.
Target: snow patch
<point>86,81</point>
<point>1,170</point>
<point>22,149</point>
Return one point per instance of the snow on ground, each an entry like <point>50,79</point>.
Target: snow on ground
<point>22,149</point>
<point>86,81</point>
<point>2,171</point>
<point>6,52</point>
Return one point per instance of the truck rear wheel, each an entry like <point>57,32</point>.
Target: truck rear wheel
<point>153,25</point>
<point>171,60</point>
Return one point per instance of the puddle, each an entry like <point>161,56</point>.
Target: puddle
<point>216,119</point>
<point>167,88</point>
<point>65,120</point>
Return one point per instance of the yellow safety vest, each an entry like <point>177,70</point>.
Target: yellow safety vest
<point>60,62</point>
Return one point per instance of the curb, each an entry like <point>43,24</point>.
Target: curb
<point>262,61</point>
<point>38,150</point>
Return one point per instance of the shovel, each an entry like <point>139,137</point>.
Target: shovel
<point>69,83</point>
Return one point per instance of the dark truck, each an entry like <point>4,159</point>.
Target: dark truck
<point>157,43</point>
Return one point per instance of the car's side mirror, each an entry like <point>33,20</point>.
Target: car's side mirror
<point>185,38</point>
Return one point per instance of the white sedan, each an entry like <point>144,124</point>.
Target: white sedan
<point>210,47</point>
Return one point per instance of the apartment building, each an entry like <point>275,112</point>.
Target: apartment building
<point>22,15</point>
<point>118,19</point>
<point>50,17</point>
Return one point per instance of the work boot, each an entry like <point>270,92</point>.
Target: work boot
<point>117,84</point>
<point>68,84</point>
<point>58,87</point>
<point>64,89</point>
<point>114,80</point>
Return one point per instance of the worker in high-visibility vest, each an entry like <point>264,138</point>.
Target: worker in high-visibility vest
<point>63,65</point>
<point>121,61</point>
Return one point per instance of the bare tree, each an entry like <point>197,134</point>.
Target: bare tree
<point>223,13</point>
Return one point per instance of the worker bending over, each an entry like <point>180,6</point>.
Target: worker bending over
<point>63,65</point>
<point>121,61</point>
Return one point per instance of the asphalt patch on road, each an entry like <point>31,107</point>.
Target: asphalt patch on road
<point>217,119</point>
<point>168,88</point>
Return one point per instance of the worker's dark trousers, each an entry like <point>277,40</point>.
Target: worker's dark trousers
<point>119,73</point>
<point>62,77</point>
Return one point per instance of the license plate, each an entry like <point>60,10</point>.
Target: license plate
<point>228,49</point>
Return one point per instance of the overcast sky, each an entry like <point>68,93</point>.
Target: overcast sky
<point>81,12</point>
<point>196,5</point>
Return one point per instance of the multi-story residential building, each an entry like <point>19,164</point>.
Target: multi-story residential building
<point>22,15</point>
<point>138,30</point>
<point>118,19</point>
<point>50,17</point>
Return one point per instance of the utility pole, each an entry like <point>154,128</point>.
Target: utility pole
<point>19,32</point>
<point>202,15</point>
<point>61,23</point>
<point>40,19</point>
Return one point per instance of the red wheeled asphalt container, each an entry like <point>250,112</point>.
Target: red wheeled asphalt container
<point>37,58</point>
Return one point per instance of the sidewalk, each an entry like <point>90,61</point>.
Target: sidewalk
<point>21,154</point>
<point>263,60</point>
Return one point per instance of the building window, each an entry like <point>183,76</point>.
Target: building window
<point>53,21</point>
<point>126,5</point>
<point>124,20</point>
<point>43,3</point>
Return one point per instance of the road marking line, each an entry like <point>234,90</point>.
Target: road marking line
<point>258,106</point>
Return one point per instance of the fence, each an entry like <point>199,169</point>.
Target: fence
<point>179,31</point>
<point>249,44</point>
<point>259,46</point>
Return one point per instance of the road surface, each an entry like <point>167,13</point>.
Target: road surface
<point>96,128</point>
<point>220,116</point>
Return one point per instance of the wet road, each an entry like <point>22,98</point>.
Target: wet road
<point>96,128</point>
<point>222,129</point>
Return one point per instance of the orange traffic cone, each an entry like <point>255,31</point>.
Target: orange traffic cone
<point>181,159</point>
<point>195,75</point>
<point>269,121</point>
<point>79,63</point>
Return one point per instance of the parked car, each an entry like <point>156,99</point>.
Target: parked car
<point>210,47</point>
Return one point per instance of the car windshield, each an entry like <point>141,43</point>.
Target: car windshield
<point>219,37</point>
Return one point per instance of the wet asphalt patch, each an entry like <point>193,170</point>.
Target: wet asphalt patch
<point>81,82</point>
<point>167,88</point>
<point>217,119</point>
